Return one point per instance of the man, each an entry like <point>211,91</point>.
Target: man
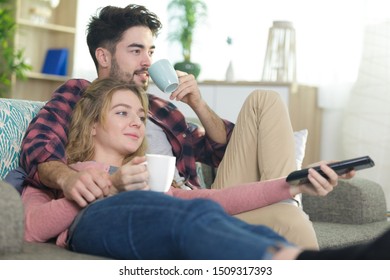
<point>261,147</point>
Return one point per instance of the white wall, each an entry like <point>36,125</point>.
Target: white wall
<point>321,58</point>
<point>325,30</point>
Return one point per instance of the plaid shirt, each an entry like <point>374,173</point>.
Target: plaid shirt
<point>46,136</point>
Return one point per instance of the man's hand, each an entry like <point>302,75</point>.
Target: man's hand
<point>87,186</point>
<point>187,91</point>
<point>83,187</point>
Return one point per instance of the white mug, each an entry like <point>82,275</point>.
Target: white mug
<point>161,169</point>
<point>164,76</point>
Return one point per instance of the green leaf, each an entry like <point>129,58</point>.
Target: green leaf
<point>12,61</point>
<point>185,16</point>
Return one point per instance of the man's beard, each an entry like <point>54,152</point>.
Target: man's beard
<point>127,77</point>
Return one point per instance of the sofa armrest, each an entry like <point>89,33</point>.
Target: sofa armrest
<point>354,201</point>
<point>11,220</point>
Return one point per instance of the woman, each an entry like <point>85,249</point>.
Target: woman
<point>107,135</point>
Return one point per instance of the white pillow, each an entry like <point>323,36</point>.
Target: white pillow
<point>300,146</point>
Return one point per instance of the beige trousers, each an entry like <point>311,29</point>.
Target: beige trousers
<point>262,147</point>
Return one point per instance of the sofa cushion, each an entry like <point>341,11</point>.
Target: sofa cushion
<point>334,235</point>
<point>353,201</point>
<point>12,246</point>
<point>11,220</point>
<point>47,251</point>
<point>15,115</point>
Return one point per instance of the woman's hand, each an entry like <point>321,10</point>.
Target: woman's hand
<point>131,176</point>
<point>348,175</point>
<point>319,185</point>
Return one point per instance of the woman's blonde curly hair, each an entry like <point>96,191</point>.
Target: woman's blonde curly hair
<point>93,108</point>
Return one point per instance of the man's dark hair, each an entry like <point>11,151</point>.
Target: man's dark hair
<point>107,27</point>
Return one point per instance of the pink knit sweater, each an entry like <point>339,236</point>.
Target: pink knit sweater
<point>48,214</point>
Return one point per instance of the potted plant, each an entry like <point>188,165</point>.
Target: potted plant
<point>11,60</point>
<point>185,15</point>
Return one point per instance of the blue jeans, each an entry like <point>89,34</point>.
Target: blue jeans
<point>151,225</point>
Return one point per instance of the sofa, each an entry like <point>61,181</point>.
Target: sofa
<point>15,116</point>
<point>354,212</point>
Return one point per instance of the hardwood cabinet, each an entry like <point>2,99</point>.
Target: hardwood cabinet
<point>36,33</point>
<point>226,100</point>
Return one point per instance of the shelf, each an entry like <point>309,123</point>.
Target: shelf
<point>47,77</point>
<point>246,83</point>
<point>46,26</point>
<point>36,33</point>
